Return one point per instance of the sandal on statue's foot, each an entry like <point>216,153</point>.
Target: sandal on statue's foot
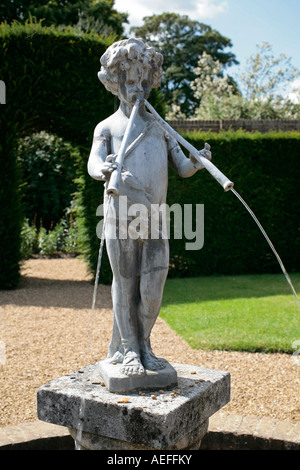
<point>132,365</point>
<point>117,357</point>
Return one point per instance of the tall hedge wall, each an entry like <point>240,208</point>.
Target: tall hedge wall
<point>51,84</point>
<point>265,170</point>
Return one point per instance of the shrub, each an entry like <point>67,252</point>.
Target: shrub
<point>47,242</point>
<point>48,169</point>
<point>29,240</point>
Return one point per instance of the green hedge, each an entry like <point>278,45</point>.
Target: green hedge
<point>52,85</point>
<point>10,207</point>
<point>265,170</point>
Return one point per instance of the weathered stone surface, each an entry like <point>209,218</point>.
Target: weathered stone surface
<point>89,441</point>
<point>156,420</point>
<point>117,382</point>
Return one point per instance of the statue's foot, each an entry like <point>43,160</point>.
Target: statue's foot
<point>132,365</point>
<point>151,362</point>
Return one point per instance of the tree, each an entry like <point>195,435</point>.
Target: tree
<point>218,97</point>
<point>181,41</point>
<point>97,15</point>
<point>264,83</point>
<point>265,75</point>
<point>263,86</point>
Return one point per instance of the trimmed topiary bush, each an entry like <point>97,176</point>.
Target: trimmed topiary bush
<point>264,169</point>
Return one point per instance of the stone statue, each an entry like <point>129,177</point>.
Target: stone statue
<point>129,70</point>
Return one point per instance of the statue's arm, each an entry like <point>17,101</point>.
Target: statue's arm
<point>99,151</point>
<point>185,167</point>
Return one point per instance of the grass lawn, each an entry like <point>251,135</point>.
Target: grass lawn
<point>241,313</point>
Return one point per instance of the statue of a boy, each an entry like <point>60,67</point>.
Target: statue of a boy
<point>129,69</point>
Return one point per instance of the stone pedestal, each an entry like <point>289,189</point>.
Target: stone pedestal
<point>117,382</point>
<point>142,420</point>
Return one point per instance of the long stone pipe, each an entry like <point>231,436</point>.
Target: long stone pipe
<point>210,167</point>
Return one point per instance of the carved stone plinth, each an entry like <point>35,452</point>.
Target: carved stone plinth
<point>154,419</point>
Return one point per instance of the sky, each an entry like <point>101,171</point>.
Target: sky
<point>245,22</point>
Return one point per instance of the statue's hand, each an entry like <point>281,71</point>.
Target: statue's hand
<point>109,166</point>
<point>206,153</point>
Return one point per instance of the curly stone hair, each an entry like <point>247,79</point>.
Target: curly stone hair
<point>118,57</point>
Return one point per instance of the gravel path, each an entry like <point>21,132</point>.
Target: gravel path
<point>45,327</point>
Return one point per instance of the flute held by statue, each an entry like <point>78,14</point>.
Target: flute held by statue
<point>115,176</point>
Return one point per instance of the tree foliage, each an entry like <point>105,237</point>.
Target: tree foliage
<point>181,41</point>
<point>99,16</point>
<point>217,96</point>
<point>266,75</point>
<point>263,86</point>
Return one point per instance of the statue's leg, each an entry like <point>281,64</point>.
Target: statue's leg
<point>154,271</point>
<point>124,260</point>
<point>115,349</point>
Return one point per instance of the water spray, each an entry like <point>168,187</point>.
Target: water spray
<point>270,244</point>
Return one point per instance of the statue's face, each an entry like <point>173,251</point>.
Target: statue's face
<point>133,82</point>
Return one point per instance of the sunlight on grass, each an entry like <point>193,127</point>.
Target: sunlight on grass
<point>233,313</point>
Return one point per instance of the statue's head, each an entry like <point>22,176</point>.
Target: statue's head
<point>128,60</point>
